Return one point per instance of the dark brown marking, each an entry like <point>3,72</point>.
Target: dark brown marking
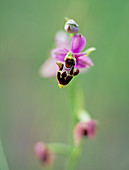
<point>63,78</point>
<point>85,132</point>
<point>75,71</point>
<point>69,63</point>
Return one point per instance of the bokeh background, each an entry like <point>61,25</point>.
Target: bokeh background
<point>34,109</point>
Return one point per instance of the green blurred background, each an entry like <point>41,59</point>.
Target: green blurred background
<point>34,109</point>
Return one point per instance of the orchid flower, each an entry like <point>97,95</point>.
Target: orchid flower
<point>60,55</point>
<point>85,128</point>
<point>72,59</point>
<point>44,154</point>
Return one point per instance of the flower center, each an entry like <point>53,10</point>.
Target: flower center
<point>70,60</point>
<point>85,132</point>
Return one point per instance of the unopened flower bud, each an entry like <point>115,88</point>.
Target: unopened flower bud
<point>71,26</point>
<point>44,154</point>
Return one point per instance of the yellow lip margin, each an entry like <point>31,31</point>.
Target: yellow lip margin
<point>61,86</point>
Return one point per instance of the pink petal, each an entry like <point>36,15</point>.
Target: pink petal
<point>49,68</point>
<point>79,54</point>
<point>84,70</point>
<point>44,154</point>
<point>84,62</point>
<point>78,43</point>
<point>78,132</point>
<point>40,149</point>
<point>91,128</point>
<point>59,53</point>
<point>62,39</point>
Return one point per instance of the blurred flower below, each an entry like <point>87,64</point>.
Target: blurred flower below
<point>44,154</point>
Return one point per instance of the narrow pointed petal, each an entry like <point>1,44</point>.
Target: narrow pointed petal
<point>84,62</point>
<point>90,50</point>
<point>78,43</point>
<point>77,55</point>
<point>59,54</point>
<point>78,132</point>
<point>49,68</point>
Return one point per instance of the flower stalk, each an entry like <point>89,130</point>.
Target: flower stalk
<point>73,108</point>
<point>74,156</point>
<point>66,62</point>
<point>60,148</point>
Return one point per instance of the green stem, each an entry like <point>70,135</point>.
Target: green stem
<point>73,108</point>
<point>74,156</point>
<point>60,148</point>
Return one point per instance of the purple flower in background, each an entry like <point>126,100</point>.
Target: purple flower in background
<point>85,128</point>
<point>44,154</point>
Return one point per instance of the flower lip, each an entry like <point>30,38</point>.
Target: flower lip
<point>63,78</point>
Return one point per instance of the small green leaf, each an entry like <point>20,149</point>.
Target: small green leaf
<point>89,50</point>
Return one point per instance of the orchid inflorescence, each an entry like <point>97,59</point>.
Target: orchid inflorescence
<point>66,61</point>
